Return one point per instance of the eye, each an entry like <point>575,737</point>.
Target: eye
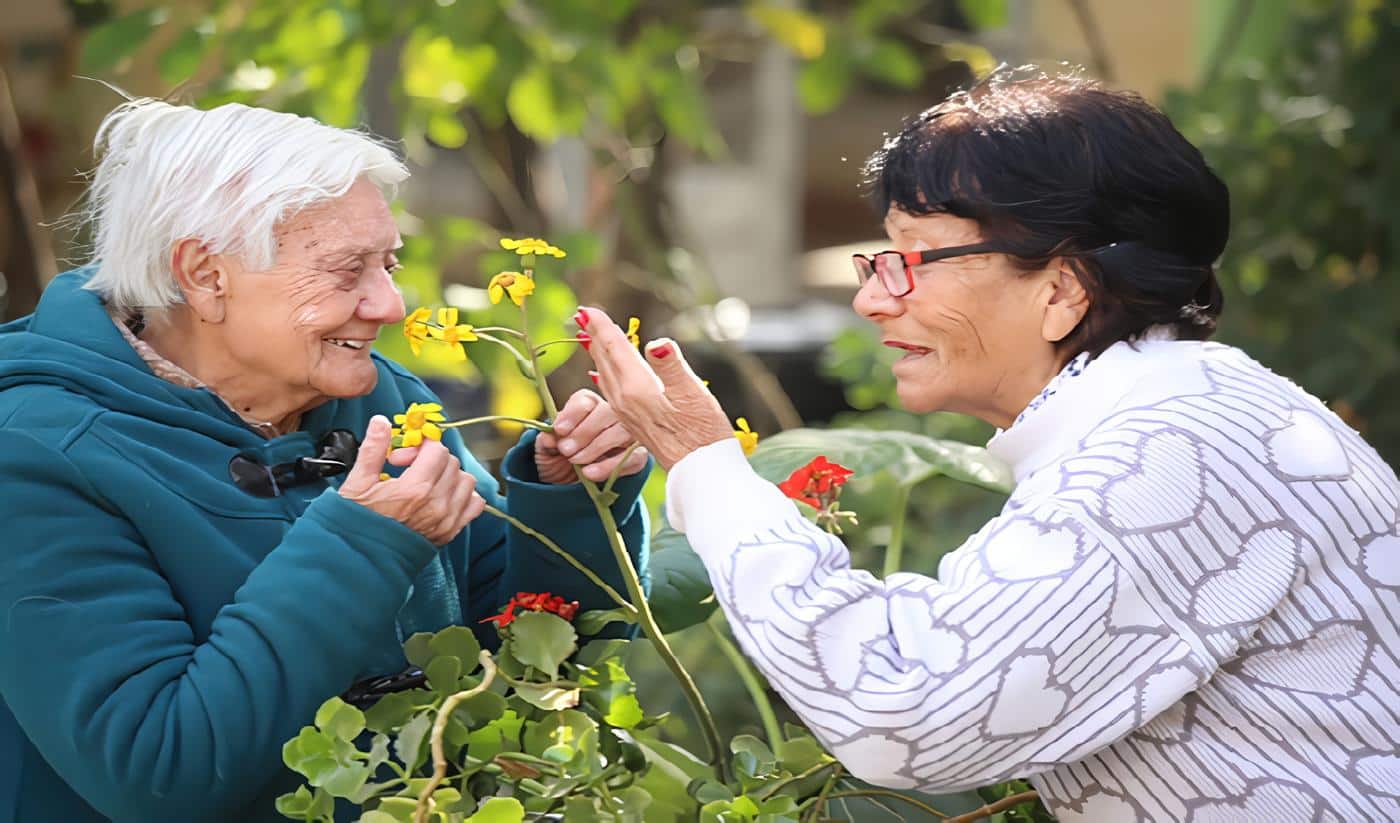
<point>394,266</point>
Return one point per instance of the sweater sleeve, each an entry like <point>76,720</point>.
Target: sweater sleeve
<point>102,670</point>
<point>1033,648</point>
<point>501,560</point>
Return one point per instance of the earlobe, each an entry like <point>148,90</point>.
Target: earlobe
<point>201,278</point>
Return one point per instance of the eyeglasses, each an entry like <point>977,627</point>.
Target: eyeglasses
<point>895,267</point>
<point>367,692</point>
<point>336,453</point>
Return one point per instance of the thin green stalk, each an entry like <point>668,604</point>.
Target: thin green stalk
<point>820,803</point>
<point>498,330</point>
<point>894,553</point>
<point>621,601</point>
<point>771,790</point>
<point>546,344</point>
<point>633,581</point>
<point>918,804</point>
<point>617,470</point>
<point>491,418</point>
<point>514,352</point>
<point>425,797</point>
<point>757,693</point>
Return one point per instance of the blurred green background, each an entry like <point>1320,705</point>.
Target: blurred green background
<point>700,160</point>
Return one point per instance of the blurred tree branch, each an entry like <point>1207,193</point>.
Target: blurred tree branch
<point>1093,38</point>
<point>29,262</point>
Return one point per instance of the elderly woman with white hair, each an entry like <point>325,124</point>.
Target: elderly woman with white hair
<point>198,549</point>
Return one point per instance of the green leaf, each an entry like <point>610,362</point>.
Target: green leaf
<point>296,804</point>
<point>984,14</point>
<point>569,728</point>
<point>822,84</point>
<point>980,61</point>
<point>479,709</point>
<point>379,816</point>
<point>389,712</point>
<point>109,43</point>
<point>501,734</point>
<point>549,698</point>
<point>681,595</point>
<point>398,809</point>
<point>182,57</point>
<point>799,30</point>
<point>592,622</point>
<point>346,780</point>
<point>447,130</point>
<point>443,674</point>
<point>499,810</point>
<point>418,649</point>
<point>540,108</point>
<point>339,719</point>
<point>542,640</point>
<point>894,63</point>
<point>312,754</point>
<point>434,68</point>
<point>625,711</point>
<point>458,642</point>
<point>408,746</point>
<point>908,457</point>
<point>596,651</point>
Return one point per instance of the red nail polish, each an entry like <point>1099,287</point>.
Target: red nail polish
<point>581,318</point>
<point>593,375</point>
<point>584,339</point>
<point>662,351</point>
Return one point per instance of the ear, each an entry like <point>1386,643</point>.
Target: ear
<point>1069,302</point>
<point>202,278</point>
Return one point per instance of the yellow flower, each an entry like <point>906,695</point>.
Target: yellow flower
<point>415,328</point>
<point>418,422</point>
<point>511,283</point>
<point>748,438</point>
<point>633,326</point>
<point>531,245</point>
<point>453,334</point>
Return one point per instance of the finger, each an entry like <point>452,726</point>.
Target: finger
<point>613,354</point>
<point>370,459</point>
<point>670,365</point>
<point>636,462</point>
<point>609,441</point>
<point>428,463</point>
<point>547,444</point>
<point>403,457</point>
<point>475,507</point>
<point>579,405</point>
<point>598,420</point>
<point>462,495</point>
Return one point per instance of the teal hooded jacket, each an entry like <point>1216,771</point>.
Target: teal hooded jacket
<point>163,633</point>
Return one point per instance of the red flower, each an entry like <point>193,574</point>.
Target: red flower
<point>540,602</point>
<point>816,483</point>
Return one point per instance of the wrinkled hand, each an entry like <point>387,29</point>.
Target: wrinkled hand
<point>433,496</point>
<point>659,399</point>
<point>587,434</point>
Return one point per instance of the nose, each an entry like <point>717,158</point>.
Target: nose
<point>874,302</point>
<point>381,301</point>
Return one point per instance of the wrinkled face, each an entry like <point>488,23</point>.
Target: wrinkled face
<point>970,331</point>
<point>305,326</point>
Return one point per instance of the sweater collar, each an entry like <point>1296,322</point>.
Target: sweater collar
<point>1074,402</point>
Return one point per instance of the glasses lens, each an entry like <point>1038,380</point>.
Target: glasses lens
<point>890,266</point>
<point>864,271</point>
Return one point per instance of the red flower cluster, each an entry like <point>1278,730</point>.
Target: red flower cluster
<point>542,602</point>
<point>816,483</point>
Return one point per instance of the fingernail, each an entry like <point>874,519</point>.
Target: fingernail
<point>566,447</point>
<point>581,318</point>
<point>593,375</point>
<point>662,351</point>
<point>585,339</point>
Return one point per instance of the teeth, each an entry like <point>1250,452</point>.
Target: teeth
<point>347,344</point>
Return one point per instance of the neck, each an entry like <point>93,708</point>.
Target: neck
<point>198,347</point>
<point>1014,392</point>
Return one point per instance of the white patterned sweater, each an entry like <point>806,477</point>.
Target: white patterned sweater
<point>1186,611</point>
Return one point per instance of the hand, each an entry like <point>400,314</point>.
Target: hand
<point>434,497</point>
<point>588,434</point>
<point>659,399</point>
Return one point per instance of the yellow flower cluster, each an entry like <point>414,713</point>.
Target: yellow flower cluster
<point>418,422</point>
<point>417,327</point>
<point>748,438</point>
<point>526,246</point>
<point>633,327</point>
<point>510,284</point>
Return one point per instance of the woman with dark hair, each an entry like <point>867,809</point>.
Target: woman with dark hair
<point>1188,608</point>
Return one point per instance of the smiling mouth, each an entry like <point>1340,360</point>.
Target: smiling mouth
<point>353,345</point>
<point>910,350</point>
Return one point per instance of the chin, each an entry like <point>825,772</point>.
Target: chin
<point>345,386</point>
<point>920,401</point>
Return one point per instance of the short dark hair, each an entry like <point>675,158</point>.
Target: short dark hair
<point>1061,166</point>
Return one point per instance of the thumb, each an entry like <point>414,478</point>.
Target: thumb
<point>370,461</point>
<point>670,365</point>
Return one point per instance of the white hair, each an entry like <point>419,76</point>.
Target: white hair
<point>226,177</point>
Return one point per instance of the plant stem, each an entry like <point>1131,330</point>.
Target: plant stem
<point>617,470</point>
<point>992,808</point>
<point>755,689</point>
<point>498,330</point>
<point>919,804</point>
<point>514,352</point>
<point>817,807</point>
<point>546,398</point>
<point>491,418</point>
<point>546,344</point>
<point>621,601</point>
<point>654,633</point>
<point>769,791</point>
<point>425,797</point>
<point>894,553</point>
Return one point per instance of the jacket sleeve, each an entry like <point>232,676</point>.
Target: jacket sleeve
<point>500,560</point>
<point>1033,648</point>
<point>102,670</point>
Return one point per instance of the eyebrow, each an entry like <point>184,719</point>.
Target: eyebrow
<point>357,251</point>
